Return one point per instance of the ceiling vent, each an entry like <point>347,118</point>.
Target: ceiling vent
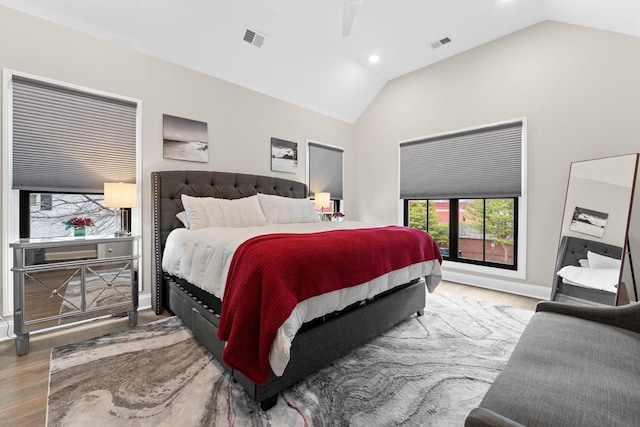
<point>436,44</point>
<point>254,38</point>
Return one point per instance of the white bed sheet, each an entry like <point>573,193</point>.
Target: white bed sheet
<point>604,279</point>
<point>203,257</point>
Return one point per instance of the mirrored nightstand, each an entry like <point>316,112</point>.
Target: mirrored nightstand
<point>58,281</point>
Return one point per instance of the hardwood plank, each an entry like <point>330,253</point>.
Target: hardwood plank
<point>483,294</point>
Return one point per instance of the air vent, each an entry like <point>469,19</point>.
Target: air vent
<point>254,38</point>
<point>436,44</point>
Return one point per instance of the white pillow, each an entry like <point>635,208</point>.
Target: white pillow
<point>601,261</point>
<point>198,217</point>
<point>285,210</point>
<point>184,218</point>
<point>605,279</point>
<point>213,212</point>
<point>584,262</point>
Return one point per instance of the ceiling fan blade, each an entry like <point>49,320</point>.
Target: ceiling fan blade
<point>350,7</point>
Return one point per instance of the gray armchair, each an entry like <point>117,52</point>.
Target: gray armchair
<point>573,366</point>
<point>623,316</point>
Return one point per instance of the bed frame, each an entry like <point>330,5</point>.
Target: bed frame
<point>570,251</point>
<point>316,344</point>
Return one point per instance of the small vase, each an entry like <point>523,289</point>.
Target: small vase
<point>79,231</point>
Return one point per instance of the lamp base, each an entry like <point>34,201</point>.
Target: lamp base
<point>124,224</point>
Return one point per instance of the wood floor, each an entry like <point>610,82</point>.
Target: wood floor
<point>24,379</point>
<point>489,295</point>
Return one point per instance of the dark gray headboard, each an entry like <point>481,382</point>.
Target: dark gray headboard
<point>168,186</point>
<point>573,249</point>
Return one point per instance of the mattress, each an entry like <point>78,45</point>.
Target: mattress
<point>203,257</point>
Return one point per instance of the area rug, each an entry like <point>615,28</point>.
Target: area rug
<point>427,371</point>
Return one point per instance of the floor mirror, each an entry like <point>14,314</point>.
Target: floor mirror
<point>594,233</point>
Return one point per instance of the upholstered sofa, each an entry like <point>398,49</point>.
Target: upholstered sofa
<point>573,366</point>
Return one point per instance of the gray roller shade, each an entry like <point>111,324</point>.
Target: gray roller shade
<point>325,170</point>
<point>65,140</point>
<point>481,163</point>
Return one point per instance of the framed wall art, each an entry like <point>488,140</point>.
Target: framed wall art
<point>284,156</point>
<point>184,139</point>
<point>588,221</point>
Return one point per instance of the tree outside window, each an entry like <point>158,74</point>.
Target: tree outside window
<point>423,216</point>
<point>48,211</point>
<point>493,219</point>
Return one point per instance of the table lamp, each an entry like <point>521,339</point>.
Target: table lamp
<point>322,202</point>
<point>121,196</point>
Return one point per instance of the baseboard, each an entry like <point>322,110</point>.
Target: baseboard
<point>6,325</point>
<point>517,288</point>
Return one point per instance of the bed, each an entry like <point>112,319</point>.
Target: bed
<point>587,272</point>
<point>318,340</point>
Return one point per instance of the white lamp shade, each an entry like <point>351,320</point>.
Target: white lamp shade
<point>322,200</point>
<point>119,195</point>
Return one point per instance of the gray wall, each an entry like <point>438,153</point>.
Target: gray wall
<point>578,88</point>
<point>240,121</point>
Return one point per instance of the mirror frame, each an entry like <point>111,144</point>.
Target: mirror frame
<point>590,221</point>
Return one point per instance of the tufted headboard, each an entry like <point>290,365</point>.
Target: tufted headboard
<point>167,188</point>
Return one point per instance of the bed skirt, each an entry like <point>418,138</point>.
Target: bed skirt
<point>314,347</point>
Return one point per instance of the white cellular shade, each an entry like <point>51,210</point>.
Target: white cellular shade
<point>325,170</point>
<point>481,163</point>
<point>64,140</point>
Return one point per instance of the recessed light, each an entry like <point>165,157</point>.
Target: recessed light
<point>374,58</point>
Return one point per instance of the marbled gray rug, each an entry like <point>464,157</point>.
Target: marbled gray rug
<point>428,371</point>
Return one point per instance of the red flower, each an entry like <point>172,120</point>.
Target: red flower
<point>78,222</point>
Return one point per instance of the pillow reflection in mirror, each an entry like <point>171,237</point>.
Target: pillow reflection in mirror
<point>601,261</point>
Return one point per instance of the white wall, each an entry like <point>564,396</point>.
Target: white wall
<point>240,121</point>
<point>578,88</point>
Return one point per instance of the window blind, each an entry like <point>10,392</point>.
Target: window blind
<point>479,163</point>
<point>65,140</point>
<point>325,170</point>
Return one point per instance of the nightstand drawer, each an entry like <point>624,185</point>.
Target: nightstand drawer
<point>114,249</point>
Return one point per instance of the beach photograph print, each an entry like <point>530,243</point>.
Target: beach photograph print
<point>589,222</point>
<point>284,156</point>
<point>184,139</point>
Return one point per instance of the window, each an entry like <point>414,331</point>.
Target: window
<point>325,172</point>
<point>43,214</point>
<point>65,143</point>
<point>464,189</point>
<point>474,231</point>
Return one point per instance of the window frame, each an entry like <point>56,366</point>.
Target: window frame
<point>454,233</point>
<point>328,147</point>
<point>25,211</point>
<point>336,202</point>
<point>485,276</point>
<point>11,197</point>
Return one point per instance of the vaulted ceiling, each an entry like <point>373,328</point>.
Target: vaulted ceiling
<point>304,57</point>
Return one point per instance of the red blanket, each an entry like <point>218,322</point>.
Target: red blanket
<point>270,274</point>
